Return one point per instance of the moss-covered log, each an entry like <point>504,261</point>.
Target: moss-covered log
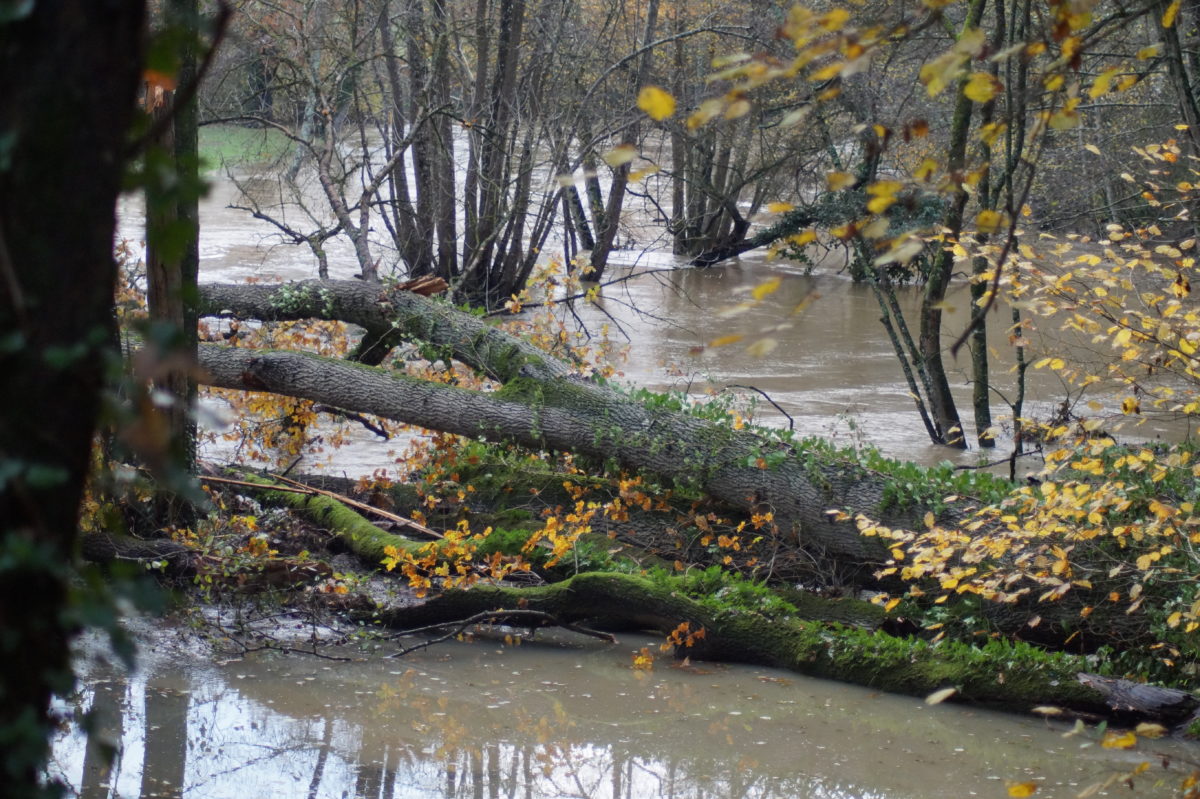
<point>388,315</point>
<point>1014,676</point>
<point>170,557</point>
<point>361,537</point>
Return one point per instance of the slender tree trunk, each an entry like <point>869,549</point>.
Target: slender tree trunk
<point>173,263</point>
<point>981,387</point>
<point>606,235</point>
<point>407,239</point>
<point>941,401</point>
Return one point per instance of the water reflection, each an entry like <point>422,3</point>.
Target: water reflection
<point>548,721</point>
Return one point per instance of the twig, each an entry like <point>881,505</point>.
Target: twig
<point>296,487</point>
<point>767,397</point>
<point>543,618</point>
<point>353,417</point>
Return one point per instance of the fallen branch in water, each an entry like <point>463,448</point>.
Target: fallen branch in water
<point>540,619</point>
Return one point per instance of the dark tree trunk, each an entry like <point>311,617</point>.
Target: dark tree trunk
<point>172,265</point>
<point>69,72</point>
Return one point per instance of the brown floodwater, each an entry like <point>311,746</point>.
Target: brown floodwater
<point>563,718</point>
<point>833,371</point>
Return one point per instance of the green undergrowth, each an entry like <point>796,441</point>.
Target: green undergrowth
<point>590,553</point>
<point>237,145</point>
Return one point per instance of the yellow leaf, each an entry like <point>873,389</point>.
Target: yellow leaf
<point>926,170</point>
<point>761,347</point>
<point>1119,740</point>
<point>981,87</point>
<point>929,519</point>
<point>795,117</point>
<point>827,72</point>
<point>1019,789</point>
<point>989,221</point>
<point>884,188</point>
<point>800,239</point>
<point>726,60</point>
<point>620,155</point>
<point>766,287</point>
<point>738,108</point>
<point>877,205</point>
<point>877,228</point>
<point>1103,81</point>
<point>891,603</point>
<point>1091,148</point>
<point>1064,120</point>
<point>707,110</point>
<point>839,180</point>
<point>835,19</point>
<point>1168,17</point>
<point>1148,729</point>
<point>903,250</point>
<point>779,208</point>
<point>642,174</point>
<point>1130,405</point>
<point>657,103</point>
<point>724,340</point>
<point>937,697</point>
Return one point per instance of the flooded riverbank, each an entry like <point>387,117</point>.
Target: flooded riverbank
<point>564,718</point>
<point>832,374</point>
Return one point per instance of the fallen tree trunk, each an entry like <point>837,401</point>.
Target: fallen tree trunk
<point>792,222</point>
<point>364,539</point>
<point>1014,676</point>
<point>567,415</point>
<point>388,316</point>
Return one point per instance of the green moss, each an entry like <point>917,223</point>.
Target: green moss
<point>726,592</point>
<point>363,538</point>
<point>1015,675</point>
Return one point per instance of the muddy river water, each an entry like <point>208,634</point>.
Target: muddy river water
<point>833,371</point>
<point>561,718</point>
<point>568,718</point>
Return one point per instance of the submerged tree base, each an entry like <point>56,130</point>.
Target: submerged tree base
<point>1013,676</point>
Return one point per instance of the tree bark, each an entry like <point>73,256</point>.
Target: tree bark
<point>69,72</point>
<point>570,415</point>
